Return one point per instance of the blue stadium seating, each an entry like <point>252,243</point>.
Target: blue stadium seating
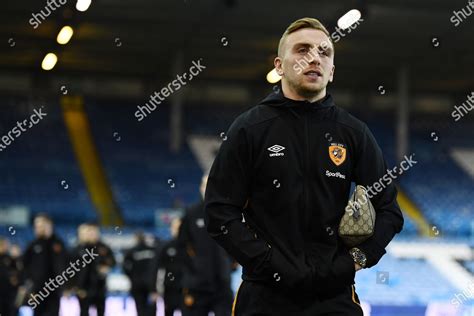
<point>38,161</point>
<point>402,282</point>
<point>436,184</point>
<point>140,165</point>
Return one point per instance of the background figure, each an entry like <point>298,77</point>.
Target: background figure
<point>44,259</point>
<point>207,268</point>
<point>9,278</point>
<point>171,265</point>
<point>90,282</point>
<point>141,266</point>
<point>16,256</point>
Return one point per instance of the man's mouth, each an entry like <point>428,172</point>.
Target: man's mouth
<point>313,74</point>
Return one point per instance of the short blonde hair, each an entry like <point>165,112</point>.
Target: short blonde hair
<point>303,23</point>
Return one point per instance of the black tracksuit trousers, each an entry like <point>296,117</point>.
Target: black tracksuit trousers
<point>258,299</point>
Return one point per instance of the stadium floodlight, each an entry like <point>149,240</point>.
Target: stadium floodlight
<point>83,5</point>
<point>49,61</point>
<point>65,35</point>
<point>348,19</point>
<point>273,76</point>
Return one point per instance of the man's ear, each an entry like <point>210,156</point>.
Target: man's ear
<point>331,76</point>
<point>278,65</point>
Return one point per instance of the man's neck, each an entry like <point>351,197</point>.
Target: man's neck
<point>293,95</point>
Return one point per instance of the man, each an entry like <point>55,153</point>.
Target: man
<point>207,268</point>
<point>141,266</point>
<point>90,281</point>
<point>9,278</point>
<point>16,255</point>
<point>273,201</point>
<point>43,260</point>
<point>170,271</point>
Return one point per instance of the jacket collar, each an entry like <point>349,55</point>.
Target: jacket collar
<point>277,99</point>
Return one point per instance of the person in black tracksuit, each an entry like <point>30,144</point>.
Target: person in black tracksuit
<point>90,282</point>
<point>207,267</point>
<point>279,185</point>
<point>9,279</point>
<point>171,267</point>
<point>141,266</point>
<point>44,259</point>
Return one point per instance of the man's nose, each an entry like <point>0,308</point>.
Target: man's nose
<point>314,57</point>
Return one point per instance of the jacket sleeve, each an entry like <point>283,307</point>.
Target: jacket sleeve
<point>371,168</point>
<point>59,256</point>
<point>227,192</point>
<point>81,275</point>
<point>111,262</point>
<point>127,265</point>
<point>185,243</point>
<point>161,263</point>
<point>26,260</point>
<point>155,266</point>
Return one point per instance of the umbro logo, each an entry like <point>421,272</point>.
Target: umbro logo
<point>275,149</point>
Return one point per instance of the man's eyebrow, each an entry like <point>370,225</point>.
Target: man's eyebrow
<point>326,47</point>
<point>302,44</point>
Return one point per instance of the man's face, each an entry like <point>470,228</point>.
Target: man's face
<point>175,224</point>
<point>43,228</point>
<point>307,62</point>
<point>3,246</point>
<point>82,233</point>
<point>15,251</point>
<point>203,185</point>
<point>93,233</point>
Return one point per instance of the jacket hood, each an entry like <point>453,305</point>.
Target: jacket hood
<point>279,100</point>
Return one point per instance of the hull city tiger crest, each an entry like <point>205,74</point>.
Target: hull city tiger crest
<point>337,153</point>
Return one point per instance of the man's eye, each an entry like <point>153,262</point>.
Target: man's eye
<point>323,52</point>
<point>302,50</point>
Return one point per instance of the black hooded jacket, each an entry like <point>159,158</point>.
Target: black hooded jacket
<point>207,267</point>
<point>141,266</point>
<point>44,258</point>
<point>90,278</point>
<point>278,188</point>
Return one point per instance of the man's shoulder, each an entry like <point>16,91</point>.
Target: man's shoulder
<point>169,243</point>
<point>345,118</point>
<point>255,115</point>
